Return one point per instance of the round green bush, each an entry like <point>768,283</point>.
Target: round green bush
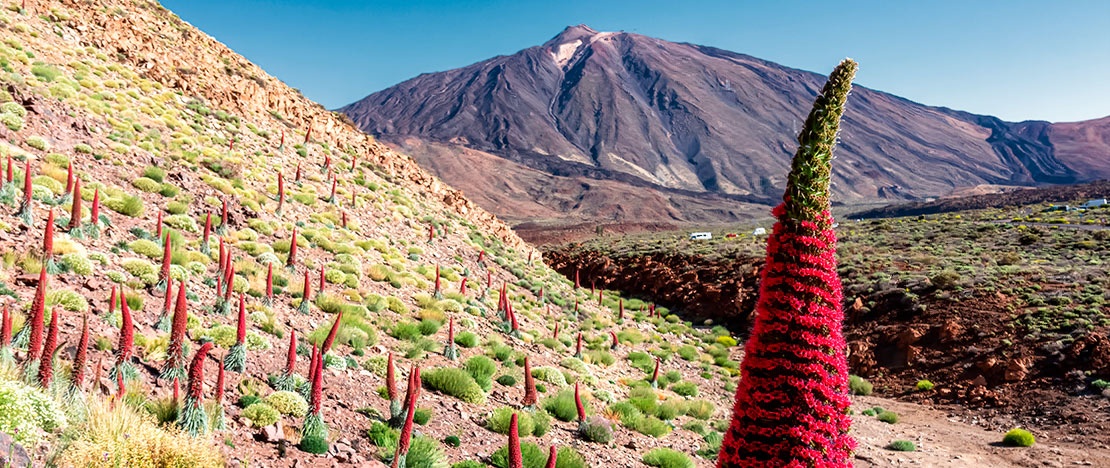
<point>287,402</point>
<point>667,458</point>
<point>1018,438</point>
<point>535,457</point>
<point>501,417</point>
<point>888,417</point>
<point>261,414</point>
<point>507,380</point>
<point>902,446</point>
<point>859,386</point>
<point>452,441</point>
<point>314,445</point>
<point>924,385</point>
<point>598,430</point>
<point>454,382</point>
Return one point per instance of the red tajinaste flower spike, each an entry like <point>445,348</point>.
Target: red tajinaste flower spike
<point>431,232</point>
<point>69,178</point>
<point>223,215</point>
<point>343,215</point>
<point>167,256</point>
<point>655,374</point>
<point>158,231</point>
<point>578,405</point>
<point>515,458</point>
<point>112,301</point>
<point>651,310</point>
<point>46,366</point>
<point>555,334</point>
<point>281,191</point>
<point>318,384</point>
<point>6,327</point>
<point>620,309</point>
<point>481,256</point>
<point>552,457</point>
<point>38,314</point>
<point>312,362</point>
<point>327,164</point>
<point>219,285</point>
<point>82,354</point>
<point>577,281</point>
<point>462,286</point>
<point>207,227</point>
<point>410,410</point>
<point>176,390</point>
<point>332,333</point>
<point>11,173</point>
<point>543,300</point>
<point>220,386</point>
<point>292,259</point>
<point>121,389</point>
<point>512,320</point>
<point>48,237</point>
<point>615,342</point>
<point>297,176</point>
<point>222,260</point>
<point>489,282</point>
<point>291,357</point>
<point>438,292</point>
<point>94,212</point>
<point>241,331</point>
<point>175,351</point>
<point>529,385</point>
<point>306,295</point>
<point>229,284</point>
<point>27,191</point>
<point>167,299</point>
<point>333,184</point>
<point>791,402</point>
<point>270,282</point>
<point>576,307</point>
<point>75,207</point>
<point>196,372</point>
<point>282,142</point>
<point>390,379</point>
<point>578,347</point>
<point>307,135</point>
<point>354,161</point>
<point>125,346</point>
<point>323,280</point>
<point>600,294</point>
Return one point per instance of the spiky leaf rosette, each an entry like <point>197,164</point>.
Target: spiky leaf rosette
<point>315,430</point>
<point>174,368</point>
<point>285,380</point>
<point>193,419</point>
<point>792,399</point>
<point>450,352</point>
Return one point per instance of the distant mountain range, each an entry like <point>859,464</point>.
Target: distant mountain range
<point>619,127</point>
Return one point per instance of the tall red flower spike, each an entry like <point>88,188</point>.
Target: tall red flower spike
<point>462,286</point>
<point>620,309</point>
<point>578,347</point>
<point>241,330</point>
<point>600,296</point>
<point>410,410</point>
<point>11,173</point>
<point>48,237</point>
<point>297,176</point>
<point>46,367</point>
<point>615,342</point>
<point>332,333</point>
<point>291,261</point>
<point>112,301</point>
<point>175,351</point>
<point>438,292</point>
<point>529,385</point>
<point>792,400</point>
<point>431,232</point>
<point>27,186</point>
<point>69,178</point>
<point>222,260</point>
<point>82,354</point>
<point>577,281</point>
<point>317,396</point>
<point>126,345</point>
<point>323,280</point>
<point>207,227</point>
<point>515,458</point>
<point>555,334</point>
<point>578,405</point>
<point>481,256</point>
<point>6,327</point>
<point>158,225</point>
<point>75,207</point>
<point>176,390</point>
<point>94,212</point>
<point>306,295</point>
<point>167,256</point>
<point>333,183</point>
<point>291,358</point>
<point>655,374</point>
<point>552,457</point>
<point>282,142</point>
<point>312,362</point>
<point>167,299</point>
<point>38,314</point>
<point>196,372</point>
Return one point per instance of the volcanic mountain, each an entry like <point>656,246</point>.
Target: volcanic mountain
<point>619,126</point>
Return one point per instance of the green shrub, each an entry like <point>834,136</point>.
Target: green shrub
<point>466,339</point>
<point>127,205</point>
<point>1018,438</point>
<point>501,417</point>
<point>652,426</point>
<point>700,409</point>
<point>26,412</point>
<point>686,389</point>
<point>598,430</point>
<point>535,457</point>
<point>507,380</point>
<point>688,352</point>
<point>453,441</point>
<point>550,375</point>
<point>859,386</point>
<point>888,417</point>
<point>146,185</point>
<point>562,406</point>
<point>154,173</point>
<point>481,368</point>
<point>429,327</point>
<point>261,414</point>
<point>314,444</point>
<point>421,416</point>
<point>287,402</point>
<point>902,446</point>
<point>455,382</point>
<point>77,263</point>
<point>667,458</point>
<point>924,385</point>
<point>408,331</point>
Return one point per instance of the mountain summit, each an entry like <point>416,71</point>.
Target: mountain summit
<point>686,131</point>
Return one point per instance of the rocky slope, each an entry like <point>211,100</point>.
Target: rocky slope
<point>694,133</point>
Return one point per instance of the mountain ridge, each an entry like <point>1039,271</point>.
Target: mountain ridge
<point>682,119</point>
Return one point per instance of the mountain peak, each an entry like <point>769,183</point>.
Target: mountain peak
<point>572,33</point>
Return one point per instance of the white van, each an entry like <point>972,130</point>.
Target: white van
<point>701,236</point>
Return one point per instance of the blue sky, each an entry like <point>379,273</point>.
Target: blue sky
<point>1018,60</point>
